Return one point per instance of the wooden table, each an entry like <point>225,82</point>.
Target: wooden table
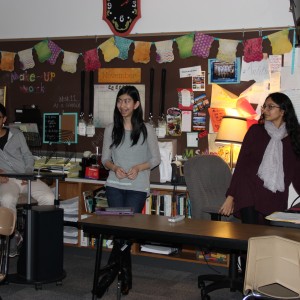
<point>229,237</point>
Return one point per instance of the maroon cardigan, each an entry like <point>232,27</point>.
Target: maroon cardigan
<point>247,188</point>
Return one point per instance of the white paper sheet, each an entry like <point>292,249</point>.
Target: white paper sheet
<point>192,139</point>
<point>186,124</point>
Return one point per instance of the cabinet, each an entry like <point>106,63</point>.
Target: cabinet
<point>73,187</point>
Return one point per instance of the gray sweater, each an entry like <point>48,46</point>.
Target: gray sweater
<point>16,156</point>
<point>127,156</point>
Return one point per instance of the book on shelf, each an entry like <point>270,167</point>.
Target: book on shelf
<point>215,257</point>
<point>154,205</point>
<point>84,239</point>
<point>162,204</point>
<point>88,199</point>
<point>167,205</point>
<point>100,198</point>
<point>161,208</point>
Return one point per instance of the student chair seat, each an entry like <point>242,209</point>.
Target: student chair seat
<point>7,227</point>
<point>272,269</point>
<point>208,178</point>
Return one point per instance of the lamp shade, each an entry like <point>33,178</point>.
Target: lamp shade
<point>232,130</point>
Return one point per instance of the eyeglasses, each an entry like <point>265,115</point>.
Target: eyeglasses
<point>269,107</point>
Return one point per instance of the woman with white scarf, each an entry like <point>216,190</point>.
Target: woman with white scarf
<point>269,161</point>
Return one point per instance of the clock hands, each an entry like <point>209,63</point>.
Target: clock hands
<point>124,3</point>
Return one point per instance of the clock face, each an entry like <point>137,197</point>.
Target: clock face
<point>121,15</point>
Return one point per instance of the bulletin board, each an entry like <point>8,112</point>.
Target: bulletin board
<point>56,92</point>
<point>105,99</point>
<point>60,128</point>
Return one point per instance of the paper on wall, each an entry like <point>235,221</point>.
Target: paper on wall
<point>256,70</point>
<point>186,121</point>
<point>190,71</point>
<point>192,139</point>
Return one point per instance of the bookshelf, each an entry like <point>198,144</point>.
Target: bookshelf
<point>73,187</point>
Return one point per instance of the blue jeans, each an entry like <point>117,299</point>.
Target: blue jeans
<point>126,198</point>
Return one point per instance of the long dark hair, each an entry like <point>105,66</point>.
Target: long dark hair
<point>290,118</point>
<point>137,122</point>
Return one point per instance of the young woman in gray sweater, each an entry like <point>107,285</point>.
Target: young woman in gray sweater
<point>130,151</point>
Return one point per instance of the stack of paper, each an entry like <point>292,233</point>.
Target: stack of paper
<point>70,208</point>
<point>158,249</point>
<point>70,235</point>
<point>284,217</point>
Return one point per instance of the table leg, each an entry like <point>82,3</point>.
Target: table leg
<point>97,265</point>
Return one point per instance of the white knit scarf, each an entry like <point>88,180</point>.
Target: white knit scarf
<point>271,167</point>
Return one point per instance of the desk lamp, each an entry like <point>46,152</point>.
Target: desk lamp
<point>232,131</point>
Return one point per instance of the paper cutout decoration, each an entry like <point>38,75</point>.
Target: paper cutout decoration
<point>216,115</point>
<point>141,52</point>
<point>123,45</point>
<point>70,62</point>
<point>7,61</point>
<point>26,59</point>
<point>185,45</point>
<point>164,51</point>
<point>109,49</point>
<point>245,109</point>
<point>202,44</point>
<point>91,60</point>
<point>253,50</point>
<point>43,51</point>
<point>55,51</point>
<point>280,42</point>
<point>227,50</point>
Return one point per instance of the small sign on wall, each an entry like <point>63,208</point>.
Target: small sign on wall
<point>119,75</point>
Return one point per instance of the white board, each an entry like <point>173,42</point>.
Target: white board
<point>105,99</point>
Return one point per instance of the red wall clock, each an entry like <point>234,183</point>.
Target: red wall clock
<point>121,15</point>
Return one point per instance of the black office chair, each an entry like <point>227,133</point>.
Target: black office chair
<point>207,179</point>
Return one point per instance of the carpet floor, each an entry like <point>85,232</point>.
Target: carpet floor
<point>158,279</point>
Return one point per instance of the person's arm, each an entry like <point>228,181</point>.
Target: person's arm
<point>107,154</point>
<point>120,172</point>
<point>296,178</point>
<point>227,207</point>
<point>134,171</point>
<point>154,155</point>
<point>26,154</point>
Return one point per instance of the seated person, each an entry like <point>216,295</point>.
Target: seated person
<point>16,158</point>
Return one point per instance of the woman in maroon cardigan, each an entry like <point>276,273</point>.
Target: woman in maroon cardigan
<point>269,161</point>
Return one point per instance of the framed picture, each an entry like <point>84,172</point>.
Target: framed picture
<point>221,72</point>
<point>3,95</point>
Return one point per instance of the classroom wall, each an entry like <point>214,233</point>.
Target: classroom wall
<point>66,18</point>
<point>32,19</point>
<point>56,91</point>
